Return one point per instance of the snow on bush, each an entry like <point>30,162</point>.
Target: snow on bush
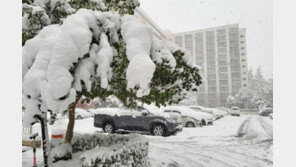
<point>131,150</point>
<point>101,149</point>
<point>61,152</point>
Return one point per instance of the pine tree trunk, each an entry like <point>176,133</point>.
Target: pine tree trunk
<point>71,115</point>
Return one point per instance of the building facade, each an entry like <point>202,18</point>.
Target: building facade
<point>221,54</point>
<point>157,31</point>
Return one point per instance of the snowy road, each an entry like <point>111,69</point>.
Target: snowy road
<point>231,141</point>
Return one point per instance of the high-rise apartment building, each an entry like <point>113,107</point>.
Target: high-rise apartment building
<point>221,54</point>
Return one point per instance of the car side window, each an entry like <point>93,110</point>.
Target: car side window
<point>167,110</point>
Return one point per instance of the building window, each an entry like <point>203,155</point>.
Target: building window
<point>242,48</point>
<point>244,79</point>
<point>223,82</point>
<point>223,69</point>
<point>243,54</point>
<point>242,36</point>
<point>243,60</point>
<point>211,82</point>
<point>224,88</point>
<point>236,75</point>
<point>212,89</point>
<point>211,76</point>
<point>245,85</point>
<point>244,66</point>
<point>242,42</point>
<point>235,68</point>
<point>223,76</point>
<point>179,40</point>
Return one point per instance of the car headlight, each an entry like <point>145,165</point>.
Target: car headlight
<point>170,119</point>
<point>173,120</point>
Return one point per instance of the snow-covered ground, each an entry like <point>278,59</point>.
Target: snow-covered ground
<point>230,141</point>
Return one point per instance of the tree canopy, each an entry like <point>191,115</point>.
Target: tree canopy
<point>96,49</point>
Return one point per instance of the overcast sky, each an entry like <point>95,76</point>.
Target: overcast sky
<point>254,15</point>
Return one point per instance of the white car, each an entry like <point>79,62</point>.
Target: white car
<point>190,117</point>
<point>234,111</point>
<point>216,113</point>
<point>82,114</point>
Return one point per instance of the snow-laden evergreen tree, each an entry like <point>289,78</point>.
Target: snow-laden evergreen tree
<point>96,49</point>
<point>259,93</point>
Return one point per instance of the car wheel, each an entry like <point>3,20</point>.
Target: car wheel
<point>190,124</point>
<point>158,130</point>
<point>109,128</point>
<point>79,117</point>
<point>203,122</point>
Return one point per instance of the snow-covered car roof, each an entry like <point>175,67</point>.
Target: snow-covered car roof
<point>124,111</point>
<point>186,111</point>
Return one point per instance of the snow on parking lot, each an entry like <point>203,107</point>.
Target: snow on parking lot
<point>230,141</point>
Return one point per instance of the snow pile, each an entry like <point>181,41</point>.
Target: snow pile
<point>138,39</point>
<point>132,151</point>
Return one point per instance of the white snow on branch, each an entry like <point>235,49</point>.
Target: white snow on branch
<point>103,60</point>
<point>159,51</point>
<point>187,55</point>
<point>138,39</point>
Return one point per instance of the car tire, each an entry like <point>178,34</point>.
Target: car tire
<point>109,127</point>
<point>79,117</point>
<point>190,125</point>
<point>203,122</point>
<point>158,130</point>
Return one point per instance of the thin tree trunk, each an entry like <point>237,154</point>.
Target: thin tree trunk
<point>71,114</point>
<point>45,140</point>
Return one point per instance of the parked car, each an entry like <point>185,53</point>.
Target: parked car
<point>190,117</point>
<point>82,114</point>
<point>216,113</point>
<point>265,112</point>
<point>234,111</point>
<point>158,124</point>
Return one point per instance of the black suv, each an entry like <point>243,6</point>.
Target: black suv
<point>158,124</point>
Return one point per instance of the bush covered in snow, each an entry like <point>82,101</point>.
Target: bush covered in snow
<point>62,151</point>
<point>130,150</point>
<point>103,149</point>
